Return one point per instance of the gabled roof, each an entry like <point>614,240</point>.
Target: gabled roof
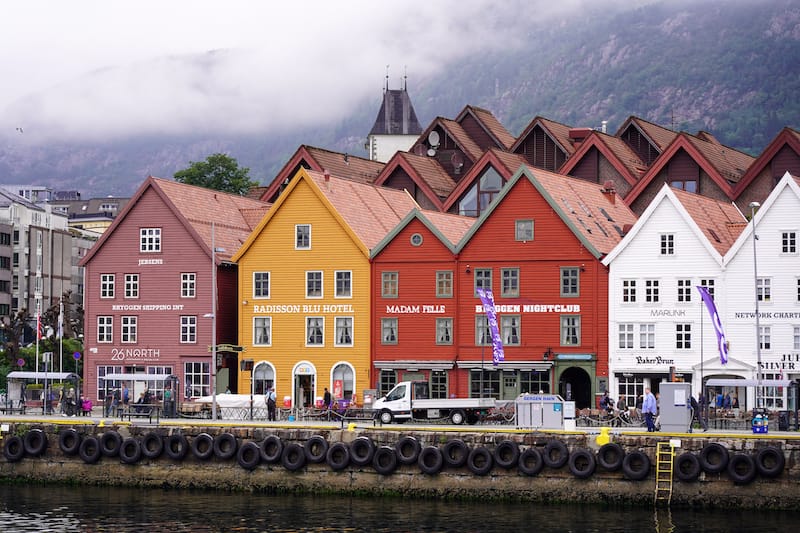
<point>595,216</point>
<point>558,132</point>
<point>729,162</point>
<point>786,137</point>
<point>425,171</point>
<point>502,138</point>
<point>658,136</point>
<point>449,229</point>
<point>505,163</point>
<point>615,150</point>
<point>396,115</point>
<point>196,208</point>
<point>454,130</point>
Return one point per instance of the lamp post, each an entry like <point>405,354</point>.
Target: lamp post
<point>753,207</point>
<point>213,316</point>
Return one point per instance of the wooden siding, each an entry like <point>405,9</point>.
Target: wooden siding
<point>589,166</point>
<point>477,133</point>
<point>639,144</point>
<point>541,151</point>
<point>786,160</point>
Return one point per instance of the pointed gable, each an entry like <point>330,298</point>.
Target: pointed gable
<point>544,144</point>
<point>602,157</point>
<point>504,163</point>
<point>648,140</point>
<point>780,156</point>
<point>448,229</point>
<point>422,176</point>
<point>482,126</point>
<point>447,142</point>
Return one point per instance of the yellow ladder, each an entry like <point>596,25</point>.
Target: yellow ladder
<point>664,455</point>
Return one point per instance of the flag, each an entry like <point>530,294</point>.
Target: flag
<point>61,320</point>
<point>487,300</point>
<point>722,344</point>
<point>39,328</point>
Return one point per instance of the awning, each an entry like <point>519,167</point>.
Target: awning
<point>50,376</point>
<point>728,382</point>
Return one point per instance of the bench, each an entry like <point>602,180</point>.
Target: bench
<point>7,410</point>
<point>140,411</point>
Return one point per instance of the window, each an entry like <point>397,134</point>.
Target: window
<point>150,240</point>
<point>509,282</point>
<point>438,384</point>
<point>262,330</point>
<point>628,290</point>
<point>570,282</point>
<point>106,285</point>
<point>651,291</point>
<point>302,239</point>
<point>344,331</point>
<point>509,330</point>
<point>131,285</point>
<point>5,262</point>
<point>483,335</point>
<point>523,230</point>
<point>105,329</point>
<point>668,244</point>
<point>789,242</point>
<point>129,329</point>
<point>625,336</point>
<point>389,282</point>
<point>444,331</point>
<point>263,378</point>
<point>483,190</point>
<point>315,331</point>
<point>388,380</point>
<point>416,239</point>
<point>683,336</point>
<point>344,374</point>
<point>765,337</point>
<point>685,185</point>
<point>709,285</point>
<point>156,385</point>
<point>103,384</point>
<point>684,290</point>
<point>631,387</point>
<point>261,285</point>
<point>483,279</point>
<point>197,379</point>
<point>570,330</point>
<point>647,336</point>
<point>314,284</point>
<point>798,290</point>
<point>5,239</point>
<point>534,381</point>
<point>344,284</point>
<point>488,379</point>
<point>763,289</point>
<point>796,334</point>
<point>188,285</point>
<point>388,331</point>
<point>444,284</point>
<point>772,396</point>
<point>188,329</point>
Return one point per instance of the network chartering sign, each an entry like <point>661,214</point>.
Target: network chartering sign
<point>722,344</point>
<point>487,300</point>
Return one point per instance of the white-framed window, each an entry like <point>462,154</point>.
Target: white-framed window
<point>344,331</point>
<point>344,283</point>
<point>798,290</point>
<point>156,385</point>
<point>444,284</point>
<point>683,336</point>
<point>106,386</point>
<point>315,331</point>
<point>128,328</point>
<point>685,290</point>
<point>416,239</point>
<point>523,230</point>
<point>709,285</point>
<point>789,242</point>
<point>444,331</point>
<point>196,379</point>
<point>667,244</point>
<point>570,282</point>
<point>570,330</point>
<point>302,237</point>
<point>483,279</point>
<point>188,329</point>
<point>188,284</point>
<point>483,335</point>
<point>105,329</point>
<point>131,285</point>
<point>344,372</point>
<point>647,336</point>
<point>651,295</point>
<point>629,291</point>
<point>764,289</point>
<point>261,285</point>
<point>765,337</point>
<point>796,337</point>
<point>625,336</point>
<point>509,282</point>
<point>389,330</point>
<point>510,330</point>
<point>631,387</point>
<point>314,284</point>
<point>262,331</point>
<point>389,284</point>
<point>772,396</point>
<point>107,285</point>
<point>150,240</point>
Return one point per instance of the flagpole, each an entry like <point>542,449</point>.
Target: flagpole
<point>702,385</point>
<point>38,325</point>
<point>61,333</point>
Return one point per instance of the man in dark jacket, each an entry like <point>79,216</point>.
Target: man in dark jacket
<point>697,414</point>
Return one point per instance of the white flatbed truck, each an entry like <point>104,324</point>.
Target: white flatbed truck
<point>411,400</point>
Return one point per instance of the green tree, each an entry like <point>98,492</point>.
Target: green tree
<point>219,172</point>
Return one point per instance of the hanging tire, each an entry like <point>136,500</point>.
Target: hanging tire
<point>249,455</point>
<point>14,448</point>
<point>338,456</point>
<point>687,467</point>
<point>203,446</point>
<point>430,460</point>
<point>455,453</point>
<point>362,449</point>
<point>610,456</point>
<point>130,451</point>
<point>271,449</point>
<point>90,450</point>
<point>741,468</point>
<point>407,449</point>
<point>714,458</point>
<point>530,462</point>
<point>506,454</point>
<point>152,445</point>
<point>225,446</point>
<point>35,442</point>
<point>316,449</point>
<point>384,461</point>
<point>293,457</point>
<point>176,447</point>
<point>636,465</point>
<point>479,461</point>
<point>555,454</point>
<point>110,441</point>
<point>770,461</point>
<point>69,441</point>
<point>582,463</point>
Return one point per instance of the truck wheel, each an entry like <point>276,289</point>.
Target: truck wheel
<point>458,417</point>
<point>386,417</point>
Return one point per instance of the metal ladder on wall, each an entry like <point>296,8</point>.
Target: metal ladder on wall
<point>664,460</point>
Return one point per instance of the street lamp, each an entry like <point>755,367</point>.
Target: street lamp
<point>213,316</point>
<point>753,207</point>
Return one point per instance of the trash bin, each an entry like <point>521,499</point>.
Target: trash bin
<point>783,420</point>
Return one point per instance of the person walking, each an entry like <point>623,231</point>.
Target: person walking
<point>697,414</point>
<point>271,404</point>
<point>649,408</point>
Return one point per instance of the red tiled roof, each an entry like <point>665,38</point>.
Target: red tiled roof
<point>629,159</point>
<point>461,137</point>
<point>559,133</point>
<point>660,136</point>
<point>431,172</point>
<point>786,137</point>
<point>730,163</point>
<point>720,222</point>
<point>452,227</point>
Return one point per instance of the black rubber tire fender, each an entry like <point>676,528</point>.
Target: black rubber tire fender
<point>742,468</point>
<point>69,440</point>
<point>130,451</point>
<point>714,458</point>
<point>430,460</point>
<point>203,446</point>
<point>110,441</point>
<point>480,461</point>
<point>316,449</point>
<point>770,461</point>
<point>687,467</point>
<point>556,454</point>
<point>249,455</point>
<point>271,449</point>
<point>362,449</point>
<point>225,446</point>
<point>610,456</point>
<point>385,460</point>
<point>176,446</point>
<point>293,457</point>
<point>636,465</point>
<point>338,456</point>
<point>506,454</point>
<point>407,449</point>
<point>89,451</point>
<point>35,442</point>
<point>582,463</point>
<point>13,448</point>
<point>455,453</point>
<point>530,461</point>
<point>152,445</point>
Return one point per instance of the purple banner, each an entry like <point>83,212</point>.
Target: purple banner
<point>722,344</point>
<point>487,300</point>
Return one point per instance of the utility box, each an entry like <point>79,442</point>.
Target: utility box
<point>675,407</point>
<point>544,411</point>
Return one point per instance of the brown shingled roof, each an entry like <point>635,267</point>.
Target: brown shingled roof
<point>660,136</point>
<point>431,172</point>
<point>490,123</point>
<point>461,137</point>
<point>730,163</point>
<point>720,222</point>
<point>558,132</point>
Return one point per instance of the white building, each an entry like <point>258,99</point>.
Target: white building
<point>396,127</point>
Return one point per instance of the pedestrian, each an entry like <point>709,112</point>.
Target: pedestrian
<point>125,396</point>
<point>326,399</point>
<point>271,404</point>
<point>649,409</point>
<point>697,414</point>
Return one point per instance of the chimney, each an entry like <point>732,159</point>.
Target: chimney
<point>603,125</point>
<point>609,191</point>
<point>327,176</point>
<point>578,135</point>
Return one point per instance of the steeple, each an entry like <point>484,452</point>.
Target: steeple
<point>396,119</point>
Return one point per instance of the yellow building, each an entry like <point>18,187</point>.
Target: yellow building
<point>304,286</point>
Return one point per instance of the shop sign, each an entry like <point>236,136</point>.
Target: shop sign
<point>135,354</point>
<point>304,370</point>
<point>654,360</point>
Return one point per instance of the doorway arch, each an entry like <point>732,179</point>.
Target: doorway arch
<point>575,384</point>
<point>304,376</point>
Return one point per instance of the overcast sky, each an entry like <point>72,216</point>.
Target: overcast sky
<point>109,69</point>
